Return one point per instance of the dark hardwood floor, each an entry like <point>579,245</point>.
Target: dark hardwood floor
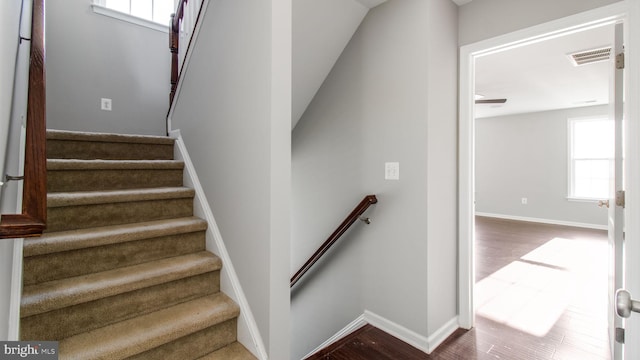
<point>540,293</point>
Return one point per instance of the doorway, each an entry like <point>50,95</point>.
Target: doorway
<point>598,18</point>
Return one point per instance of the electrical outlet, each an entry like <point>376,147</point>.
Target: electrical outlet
<point>105,104</point>
<point>392,171</point>
<point>524,201</point>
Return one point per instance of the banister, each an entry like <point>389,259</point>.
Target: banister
<point>174,43</point>
<point>32,220</point>
<point>342,228</point>
<point>175,21</point>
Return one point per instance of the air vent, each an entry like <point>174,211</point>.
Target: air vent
<point>590,56</point>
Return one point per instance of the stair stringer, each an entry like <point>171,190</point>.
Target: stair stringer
<point>248,333</point>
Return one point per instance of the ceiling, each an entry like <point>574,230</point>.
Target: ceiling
<point>540,76</point>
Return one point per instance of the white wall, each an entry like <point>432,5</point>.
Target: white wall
<point>390,97</point>
<point>91,56</point>
<point>525,155</point>
<point>234,113</point>
<point>9,27</point>
<point>483,19</point>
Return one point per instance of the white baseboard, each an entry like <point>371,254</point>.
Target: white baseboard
<point>544,221</point>
<point>16,290</point>
<point>351,327</point>
<point>443,333</point>
<point>248,333</point>
<point>409,336</point>
<point>412,338</point>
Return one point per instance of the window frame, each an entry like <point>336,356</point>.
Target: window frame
<point>99,7</point>
<point>571,160</point>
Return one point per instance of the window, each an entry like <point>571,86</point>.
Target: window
<point>591,154</point>
<point>149,13</point>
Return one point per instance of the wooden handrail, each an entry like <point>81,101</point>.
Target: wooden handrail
<point>353,216</point>
<point>32,220</point>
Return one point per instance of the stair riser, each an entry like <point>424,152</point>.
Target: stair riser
<point>92,180</point>
<point>88,216</point>
<point>58,324</point>
<point>66,264</point>
<point>88,150</point>
<point>195,345</point>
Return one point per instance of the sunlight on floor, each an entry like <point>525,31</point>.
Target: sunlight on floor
<point>531,294</point>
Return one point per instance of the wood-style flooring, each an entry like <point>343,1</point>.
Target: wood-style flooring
<point>540,293</point>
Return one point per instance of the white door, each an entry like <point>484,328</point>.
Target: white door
<point>616,205</point>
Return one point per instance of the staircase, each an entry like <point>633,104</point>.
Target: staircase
<point>122,270</point>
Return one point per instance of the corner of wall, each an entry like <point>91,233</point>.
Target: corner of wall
<point>425,344</point>
<point>248,333</point>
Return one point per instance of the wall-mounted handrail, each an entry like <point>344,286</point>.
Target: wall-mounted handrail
<point>342,228</point>
<point>183,23</point>
<point>32,220</point>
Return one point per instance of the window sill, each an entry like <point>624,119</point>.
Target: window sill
<point>98,9</point>
<point>585,200</point>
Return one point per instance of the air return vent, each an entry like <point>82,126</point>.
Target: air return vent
<point>590,56</point>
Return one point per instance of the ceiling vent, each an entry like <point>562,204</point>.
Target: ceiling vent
<point>590,56</point>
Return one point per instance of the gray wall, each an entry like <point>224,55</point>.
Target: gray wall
<point>525,155</point>
<point>234,112</point>
<point>91,56</point>
<point>484,19</point>
<point>9,22</point>
<point>390,97</point>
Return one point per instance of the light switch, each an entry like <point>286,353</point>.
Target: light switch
<point>105,104</point>
<point>392,171</point>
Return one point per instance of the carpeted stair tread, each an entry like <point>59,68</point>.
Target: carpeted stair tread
<point>57,294</point>
<point>234,351</point>
<point>116,196</point>
<point>87,145</point>
<point>53,134</point>
<point>99,164</point>
<point>54,242</point>
<point>72,175</point>
<point>137,335</point>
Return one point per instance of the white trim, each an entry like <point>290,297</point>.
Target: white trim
<point>16,291</point>
<point>410,337</point>
<point>248,333</point>
<point>15,298</point>
<point>632,176</point>
<point>351,327</point>
<point>187,59</point>
<point>544,221</point>
<point>443,333</point>
<point>99,9</point>
<point>583,200</point>
<point>468,53</point>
